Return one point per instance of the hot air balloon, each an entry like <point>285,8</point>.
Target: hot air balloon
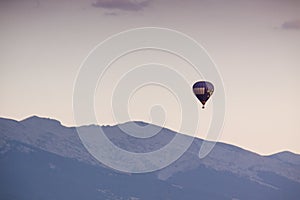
<point>203,90</point>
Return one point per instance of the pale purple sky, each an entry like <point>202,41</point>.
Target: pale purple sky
<point>255,44</point>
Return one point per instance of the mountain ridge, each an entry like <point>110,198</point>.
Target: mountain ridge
<point>55,121</point>
<point>278,173</point>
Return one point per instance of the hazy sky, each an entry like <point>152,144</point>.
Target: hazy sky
<point>255,44</point>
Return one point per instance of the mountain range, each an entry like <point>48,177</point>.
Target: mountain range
<point>42,159</point>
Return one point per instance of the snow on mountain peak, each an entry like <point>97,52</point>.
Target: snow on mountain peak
<point>34,120</point>
<point>49,135</point>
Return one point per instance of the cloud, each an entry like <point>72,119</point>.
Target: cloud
<point>111,14</point>
<point>293,24</point>
<point>128,5</point>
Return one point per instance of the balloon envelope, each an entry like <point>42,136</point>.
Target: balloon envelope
<point>203,90</point>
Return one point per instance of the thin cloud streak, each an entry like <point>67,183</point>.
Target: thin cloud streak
<point>127,5</point>
<point>293,24</point>
<point>111,14</point>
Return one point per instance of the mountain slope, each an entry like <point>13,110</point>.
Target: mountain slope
<point>41,159</point>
